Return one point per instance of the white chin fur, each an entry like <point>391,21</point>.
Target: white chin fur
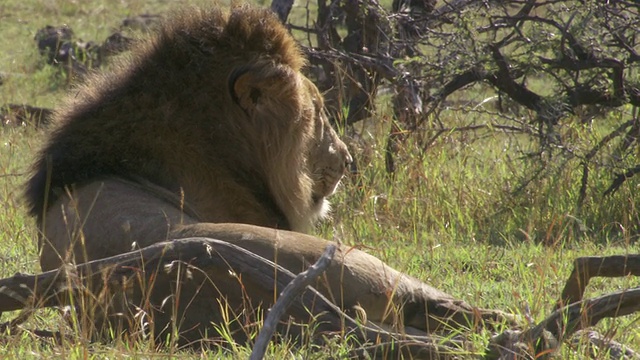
<point>321,209</point>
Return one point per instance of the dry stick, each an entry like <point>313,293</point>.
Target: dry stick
<point>589,312</point>
<point>292,290</point>
<point>615,349</point>
<point>564,322</point>
<point>585,268</point>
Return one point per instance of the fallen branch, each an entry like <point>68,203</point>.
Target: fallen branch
<point>547,336</point>
<point>565,321</point>
<point>293,289</point>
<point>597,342</point>
<point>585,268</point>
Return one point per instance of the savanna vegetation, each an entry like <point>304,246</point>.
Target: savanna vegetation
<point>513,153</point>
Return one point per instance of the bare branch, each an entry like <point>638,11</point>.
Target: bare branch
<point>585,268</point>
<point>282,8</point>
<point>621,178</point>
<point>293,289</point>
<point>548,335</point>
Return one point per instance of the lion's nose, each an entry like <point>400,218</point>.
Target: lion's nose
<point>348,160</point>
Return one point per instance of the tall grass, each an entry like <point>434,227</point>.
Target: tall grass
<point>451,216</point>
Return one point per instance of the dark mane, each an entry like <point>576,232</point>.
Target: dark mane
<point>126,123</point>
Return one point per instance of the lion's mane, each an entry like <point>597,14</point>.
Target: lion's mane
<point>213,109</point>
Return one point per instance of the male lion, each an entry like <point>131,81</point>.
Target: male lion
<point>212,113</point>
<point>211,122</point>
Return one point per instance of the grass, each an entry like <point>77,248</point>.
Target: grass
<point>449,217</point>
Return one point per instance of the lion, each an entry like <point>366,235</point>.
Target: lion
<point>209,129</point>
<point>213,111</point>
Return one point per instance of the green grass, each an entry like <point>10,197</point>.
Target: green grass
<point>448,217</point>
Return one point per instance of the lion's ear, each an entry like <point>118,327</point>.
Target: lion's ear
<point>251,86</point>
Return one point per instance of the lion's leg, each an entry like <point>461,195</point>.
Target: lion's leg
<point>355,280</point>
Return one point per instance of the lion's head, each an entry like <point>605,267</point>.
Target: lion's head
<point>328,156</point>
<point>270,94</point>
<point>213,108</point>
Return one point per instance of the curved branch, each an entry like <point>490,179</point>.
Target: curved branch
<point>293,289</point>
<point>620,178</point>
<point>561,324</point>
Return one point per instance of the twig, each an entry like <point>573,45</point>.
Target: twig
<point>580,314</point>
<point>596,341</point>
<point>585,268</point>
<point>505,128</point>
<point>621,178</point>
<point>290,292</point>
